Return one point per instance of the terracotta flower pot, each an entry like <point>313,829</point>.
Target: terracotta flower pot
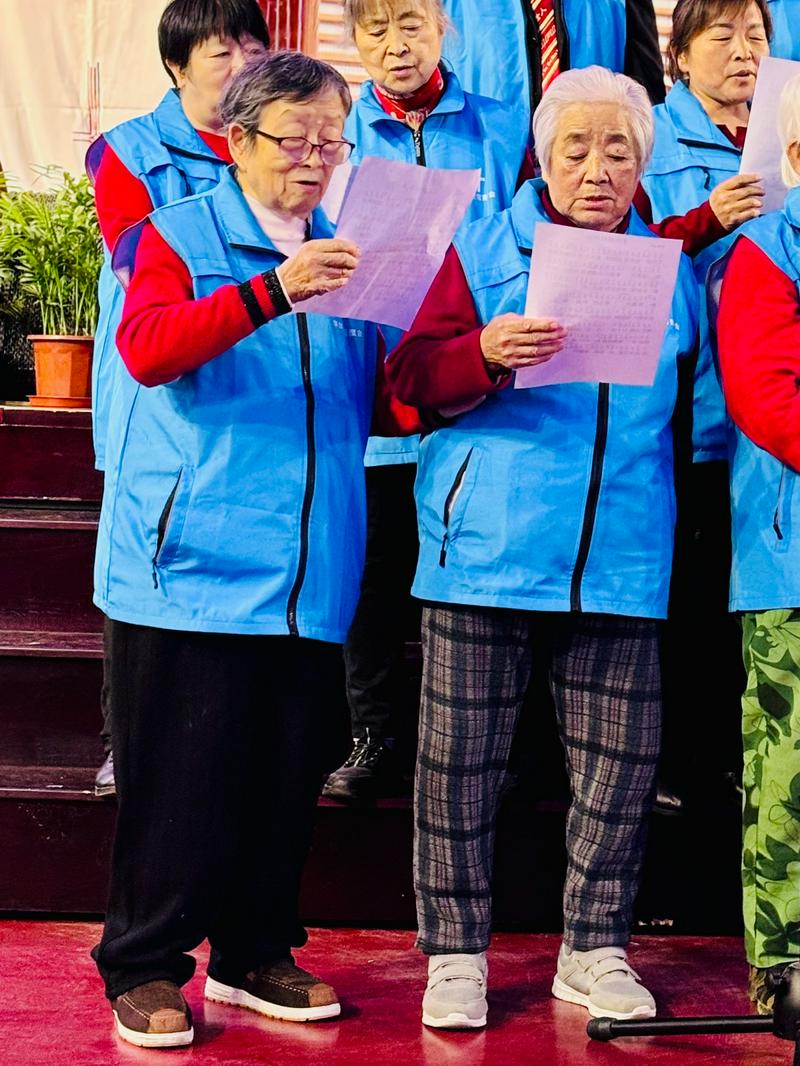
<point>63,368</point>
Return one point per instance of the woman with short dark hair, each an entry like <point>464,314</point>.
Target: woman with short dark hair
<point>243,445</point>
<point>714,52</point>
<point>178,149</point>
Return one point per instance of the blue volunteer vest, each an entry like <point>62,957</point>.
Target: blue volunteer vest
<point>463,132</point>
<point>558,498</point>
<point>165,152</point>
<point>765,494</point>
<point>237,502</point>
<point>488,51</point>
<point>690,157</point>
<point>785,43</point>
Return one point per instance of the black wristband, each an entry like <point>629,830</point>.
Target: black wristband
<point>275,292</point>
<point>252,306</point>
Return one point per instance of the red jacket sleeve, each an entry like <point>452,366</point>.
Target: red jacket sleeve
<point>120,198</point>
<point>165,331</point>
<point>759,350</point>
<point>439,363</point>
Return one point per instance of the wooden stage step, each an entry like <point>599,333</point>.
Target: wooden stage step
<point>55,838</point>
<point>47,455</point>
<point>46,568</point>
<point>54,644</point>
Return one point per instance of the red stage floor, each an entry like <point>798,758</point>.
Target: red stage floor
<point>52,1012</point>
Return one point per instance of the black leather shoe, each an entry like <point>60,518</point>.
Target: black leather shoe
<point>668,802</point>
<point>104,784</point>
<point>366,774</point>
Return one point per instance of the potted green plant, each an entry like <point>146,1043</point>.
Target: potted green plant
<point>50,245</point>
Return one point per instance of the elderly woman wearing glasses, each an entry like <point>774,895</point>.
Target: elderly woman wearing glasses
<point>759,353</point>
<point>242,448</point>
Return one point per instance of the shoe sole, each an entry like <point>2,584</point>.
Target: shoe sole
<point>561,990</point>
<point>105,790</point>
<point>153,1040</point>
<point>453,1021</point>
<point>237,997</point>
<point>345,798</point>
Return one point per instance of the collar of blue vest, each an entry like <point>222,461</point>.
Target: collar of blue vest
<point>176,131</point>
<point>527,209</point>
<point>691,122</point>
<point>791,207</point>
<point>239,225</point>
<point>452,100</point>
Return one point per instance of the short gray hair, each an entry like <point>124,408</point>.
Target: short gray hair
<point>278,76</point>
<point>356,11</point>
<point>789,128</point>
<point>593,85</point>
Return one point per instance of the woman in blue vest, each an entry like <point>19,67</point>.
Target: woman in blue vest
<point>713,56</point>
<point>496,49</point>
<point>241,449</point>
<point>714,52</point>
<point>546,517</point>
<point>176,150</point>
<point>759,353</point>
<point>412,110</point>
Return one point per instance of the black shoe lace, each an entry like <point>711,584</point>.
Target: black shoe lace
<point>366,753</point>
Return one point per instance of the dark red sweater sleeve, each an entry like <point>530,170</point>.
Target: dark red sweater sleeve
<point>439,363</point>
<point>698,228</point>
<point>759,350</point>
<point>165,331</point>
<point>120,198</point>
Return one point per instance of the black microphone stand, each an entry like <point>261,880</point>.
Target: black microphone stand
<point>784,1022</point>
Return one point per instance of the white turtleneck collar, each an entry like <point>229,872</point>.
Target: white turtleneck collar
<point>288,235</point>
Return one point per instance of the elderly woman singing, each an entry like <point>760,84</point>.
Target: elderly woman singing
<point>759,352</point>
<point>228,596</point>
<point>546,518</point>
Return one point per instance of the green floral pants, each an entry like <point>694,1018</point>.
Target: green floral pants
<point>771,734</point>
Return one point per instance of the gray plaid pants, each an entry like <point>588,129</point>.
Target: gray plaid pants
<point>605,680</point>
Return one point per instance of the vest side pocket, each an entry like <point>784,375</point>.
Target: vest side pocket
<point>170,522</point>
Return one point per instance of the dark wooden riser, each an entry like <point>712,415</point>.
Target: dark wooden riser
<point>50,712</point>
<point>56,853</point>
<point>47,455</point>
<point>46,568</point>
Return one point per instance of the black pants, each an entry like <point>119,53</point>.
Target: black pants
<point>217,748</point>
<point>105,691</point>
<point>386,615</point>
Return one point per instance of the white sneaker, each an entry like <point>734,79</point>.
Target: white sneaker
<point>602,981</point>
<point>456,994</point>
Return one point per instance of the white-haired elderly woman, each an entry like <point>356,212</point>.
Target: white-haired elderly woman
<point>546,518</point>
<point>759,353</point>
<point>242,449</point>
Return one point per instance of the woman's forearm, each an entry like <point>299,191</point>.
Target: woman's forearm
<point>165,331</point>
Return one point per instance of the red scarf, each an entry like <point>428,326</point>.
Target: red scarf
<point>415,107</point>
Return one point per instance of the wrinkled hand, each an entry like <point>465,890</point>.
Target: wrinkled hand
<point>511,341</point>
<point>738,199</point>
<point>319,266</point>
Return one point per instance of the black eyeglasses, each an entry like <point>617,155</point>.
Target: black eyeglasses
<point>298,149</point>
